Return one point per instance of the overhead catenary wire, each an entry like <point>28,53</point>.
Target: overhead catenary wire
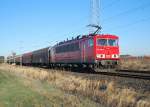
<point>130,24</point>
<point>127,12</point>
<point>111,4</point>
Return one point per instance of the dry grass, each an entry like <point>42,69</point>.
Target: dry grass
<point>103,92</point>
<point>135,63</point>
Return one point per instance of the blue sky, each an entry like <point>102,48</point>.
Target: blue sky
<point>26,25</point>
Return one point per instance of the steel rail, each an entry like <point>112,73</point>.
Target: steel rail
<point>126,73</point>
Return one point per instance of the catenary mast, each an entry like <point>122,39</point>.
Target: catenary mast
<point>94,16</point>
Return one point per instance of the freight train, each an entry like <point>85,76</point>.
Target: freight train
<point>93,50</point>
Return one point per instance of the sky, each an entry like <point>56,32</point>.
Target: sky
<point>27,25</point>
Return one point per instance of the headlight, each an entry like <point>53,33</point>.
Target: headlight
<point>100,55</point>
<point>115,56</point>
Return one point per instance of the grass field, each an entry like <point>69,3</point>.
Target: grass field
<point>36,87</point>
<point>18,91</point>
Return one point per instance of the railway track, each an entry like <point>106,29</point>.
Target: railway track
<point>126,73</point>
<point>120,73</point>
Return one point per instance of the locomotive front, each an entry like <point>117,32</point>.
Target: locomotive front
<point>106,50</point>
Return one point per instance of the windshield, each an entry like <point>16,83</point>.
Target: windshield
<point>112,42</point>
<point>107,42</point>
<point>102,42</point>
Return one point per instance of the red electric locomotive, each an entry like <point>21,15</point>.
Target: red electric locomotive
<point>92,50</point>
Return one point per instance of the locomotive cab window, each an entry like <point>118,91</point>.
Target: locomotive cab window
<point>107,42</point>
<point>112,42</point>
<point>102,42</point>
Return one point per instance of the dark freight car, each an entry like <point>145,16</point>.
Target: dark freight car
<point>27,59</point>
<point>2,58</point>
<point>40,57</point>
<point>18,59</point>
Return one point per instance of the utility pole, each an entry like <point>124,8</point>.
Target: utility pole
<point>95,12</point>
<point>94,15</point>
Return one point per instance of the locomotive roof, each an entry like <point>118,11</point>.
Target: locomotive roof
<point>108,36</point>
<point>78,38</point>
